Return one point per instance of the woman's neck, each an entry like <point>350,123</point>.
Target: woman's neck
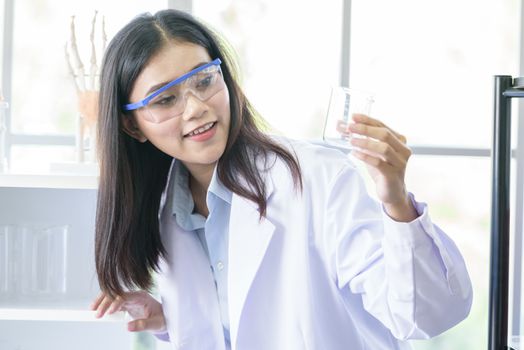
<point>199,180</point>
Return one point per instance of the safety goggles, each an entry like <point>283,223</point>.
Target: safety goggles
<point>170,100</point>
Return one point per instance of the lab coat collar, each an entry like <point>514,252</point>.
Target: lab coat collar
<point>225,193</point>
<point>217,188</point>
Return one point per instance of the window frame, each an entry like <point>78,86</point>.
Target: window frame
<point>186,5</point>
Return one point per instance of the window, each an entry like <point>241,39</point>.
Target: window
<point>43,102</point>
<point>289,55</point>
<point>431,66</point>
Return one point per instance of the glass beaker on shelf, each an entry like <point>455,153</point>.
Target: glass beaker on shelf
<point>5,287</point>
<point>44,262</point>
<point>33,263</point>
<point>10,264</point>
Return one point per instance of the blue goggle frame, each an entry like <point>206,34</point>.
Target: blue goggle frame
<point>145,101</point>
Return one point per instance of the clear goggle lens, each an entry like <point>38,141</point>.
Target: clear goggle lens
<point>171,103</point>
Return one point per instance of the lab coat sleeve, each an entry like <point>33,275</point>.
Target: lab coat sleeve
<point>162,336</point>
<point>411,276</point>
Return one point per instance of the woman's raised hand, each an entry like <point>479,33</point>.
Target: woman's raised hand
<point>386,155</point>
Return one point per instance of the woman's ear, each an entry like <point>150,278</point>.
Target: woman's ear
<point>130,128</point>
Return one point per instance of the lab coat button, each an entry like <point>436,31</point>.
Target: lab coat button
<point>220,266</point>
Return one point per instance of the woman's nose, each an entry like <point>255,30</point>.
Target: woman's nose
<point>194,107</point>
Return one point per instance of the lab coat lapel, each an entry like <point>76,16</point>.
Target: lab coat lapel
<point>248,241</point>
<point>187,287</point>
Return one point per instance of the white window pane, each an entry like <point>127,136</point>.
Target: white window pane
<point>431,64</point>
<point>289,53</point>
<point>44,99</point>
<point>35,159</point>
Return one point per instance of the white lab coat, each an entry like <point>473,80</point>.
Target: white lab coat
<point>326,269</point>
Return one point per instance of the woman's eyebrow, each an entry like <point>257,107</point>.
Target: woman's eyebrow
<point>159,85</point>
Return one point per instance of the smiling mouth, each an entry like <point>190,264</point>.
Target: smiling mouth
<point>200,130</point>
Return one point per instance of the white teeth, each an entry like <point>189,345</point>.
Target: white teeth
<point>201,130</point>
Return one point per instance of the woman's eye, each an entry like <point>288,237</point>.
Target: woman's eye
<point>204,83</point>
<point>165,101</point>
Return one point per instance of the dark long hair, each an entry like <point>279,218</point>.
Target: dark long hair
<point>133,174</point>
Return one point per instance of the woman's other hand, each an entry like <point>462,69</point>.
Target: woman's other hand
<point>145,310</point>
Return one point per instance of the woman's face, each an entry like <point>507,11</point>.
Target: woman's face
<point>183,136</point>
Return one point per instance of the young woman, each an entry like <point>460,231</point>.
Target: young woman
<point>256,242</point>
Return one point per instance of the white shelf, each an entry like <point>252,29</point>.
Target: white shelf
<point>49,181</point>
<point>59,315</point>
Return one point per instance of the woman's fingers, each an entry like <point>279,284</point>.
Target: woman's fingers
<point>381,142</point>
<point>381,133</point>
<point>367,120</point>
<point>116,305</point>
<point>97,301</point>
<point>379,149</point>
<point>104,303</point>
<point>342,128</point>
<point>155,324</point>
<point>371,160</point>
